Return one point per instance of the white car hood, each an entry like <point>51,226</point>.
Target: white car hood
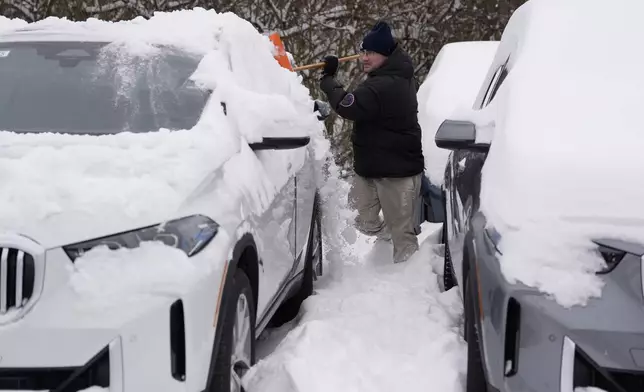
<point>60,189</point>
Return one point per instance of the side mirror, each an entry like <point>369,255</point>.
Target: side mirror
<point>323,108</point>
<point>281,143</point>
<point>458,135</point>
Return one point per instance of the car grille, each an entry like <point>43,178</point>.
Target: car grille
<point>17,278</point>
<point>95,373</point>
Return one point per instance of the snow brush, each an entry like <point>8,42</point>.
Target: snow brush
<point>282,58</point>
<point>320,65</point>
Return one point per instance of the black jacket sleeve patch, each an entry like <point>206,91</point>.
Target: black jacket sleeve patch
<point>348,100</point>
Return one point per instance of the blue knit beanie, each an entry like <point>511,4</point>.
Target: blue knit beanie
<point>379,40</point>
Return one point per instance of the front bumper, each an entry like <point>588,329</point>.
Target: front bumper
<point>102,370</point>
<point>63,340</point>
<point>138,356</point>
<point>532,344</point>
<point>550,358</point>
<point>561,349</point>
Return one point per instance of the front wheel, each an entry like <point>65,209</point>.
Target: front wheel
<point>236,352</point>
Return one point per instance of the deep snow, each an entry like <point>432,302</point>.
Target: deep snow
<point>371,325</point>
<point>378,327</point>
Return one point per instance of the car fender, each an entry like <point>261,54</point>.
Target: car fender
<point>245,244</point>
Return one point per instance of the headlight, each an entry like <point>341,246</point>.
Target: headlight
<point>190,234</point>
<point>611,256</point>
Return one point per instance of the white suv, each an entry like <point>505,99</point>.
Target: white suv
<point>148,235</point>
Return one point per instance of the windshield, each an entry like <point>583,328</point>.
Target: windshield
<point>94,88</point>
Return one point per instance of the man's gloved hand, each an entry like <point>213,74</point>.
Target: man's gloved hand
<point>330,65</point>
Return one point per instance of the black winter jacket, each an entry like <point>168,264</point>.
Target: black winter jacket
<point>386,136</point>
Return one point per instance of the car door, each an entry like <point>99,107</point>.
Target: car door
<point>305,196</point>
<point>465,172</point>
<point>276,231</point>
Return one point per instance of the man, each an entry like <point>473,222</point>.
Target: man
<point>387,147</point>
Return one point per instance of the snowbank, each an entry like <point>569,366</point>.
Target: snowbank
<point>380,327</point>
<point>452,84</point>
<point>68,185</point>
<point>566,160</point>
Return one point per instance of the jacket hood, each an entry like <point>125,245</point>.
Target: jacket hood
<point>398,64</point>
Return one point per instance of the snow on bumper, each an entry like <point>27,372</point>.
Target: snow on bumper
<point>111,329</point>
<point>114,357</point>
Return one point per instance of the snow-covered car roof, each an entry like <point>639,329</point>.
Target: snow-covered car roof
<point>565,164</point>
<point>197,30</point>
<point>451,85</point>
<point>29,34</point>
<point>7,24</point>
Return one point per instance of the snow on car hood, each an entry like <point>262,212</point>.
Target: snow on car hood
<point>60,188</point>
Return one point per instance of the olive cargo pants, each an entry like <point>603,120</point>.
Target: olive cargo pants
<point>397,198</point>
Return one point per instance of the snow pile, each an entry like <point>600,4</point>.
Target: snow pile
<point>566,159</point>
<point>108,277</point>
<point>7,24</point>
<point>452,85</point>
<point>338,233</point>
<point>120,178</point>
<point>382,327</point>
<point>72,186</point>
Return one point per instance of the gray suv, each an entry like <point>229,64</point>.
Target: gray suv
<point>518,338</point>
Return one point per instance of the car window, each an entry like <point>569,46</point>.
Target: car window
<point>81,88</point>
<point>497,80</point>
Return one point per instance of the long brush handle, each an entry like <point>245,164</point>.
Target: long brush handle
<point>320,65</point>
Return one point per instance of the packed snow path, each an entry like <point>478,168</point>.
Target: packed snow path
<point>372,326</point>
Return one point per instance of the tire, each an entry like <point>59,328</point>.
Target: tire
<point>448,269</point>
<point>476,381</point>
<point>313,269</point>
<point>239,301</point>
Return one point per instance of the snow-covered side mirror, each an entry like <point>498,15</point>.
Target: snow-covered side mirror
<point>323,109</point>
<point>458,135</point>
<point>281,143</point>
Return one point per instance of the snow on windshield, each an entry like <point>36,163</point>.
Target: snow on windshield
<point>451,85</point>
<point>566,160</point>
<point>94,88</point>
<point>91,185</point>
